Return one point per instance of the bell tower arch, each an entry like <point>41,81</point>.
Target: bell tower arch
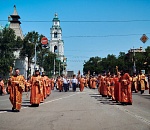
<point>56,43</point>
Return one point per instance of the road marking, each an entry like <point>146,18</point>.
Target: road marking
<point>134,115</point>
<point>140,118</point>
<point>3,112</point>
<point>60,98</point>
<point>49,101</point>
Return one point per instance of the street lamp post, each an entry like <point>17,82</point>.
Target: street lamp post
<point>59,68</point>
<point>54,66</point>
<point>35,56</point>
<point>134,67</point>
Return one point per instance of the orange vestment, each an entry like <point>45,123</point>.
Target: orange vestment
<point>94,83</point>
<point>2,86</point>
<point>45,85</point>
<point>17,85</point>
<point>103,87</point>
<point>82,82</point>
<point>49,86</point>
<point>35,95</point>
<point>126,94</point>
<point>117,90</point>
<point>60,84</point>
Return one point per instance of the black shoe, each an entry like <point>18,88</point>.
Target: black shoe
<point>13,109</point>
<point>32,105</point>
<point>36,105</point>
<point>129,103</point>
<point>123,103</point>
<point>17,110</point>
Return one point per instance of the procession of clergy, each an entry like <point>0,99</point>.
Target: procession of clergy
<point>117,87</point>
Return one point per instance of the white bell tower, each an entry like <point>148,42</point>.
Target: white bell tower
<point>56,43</point>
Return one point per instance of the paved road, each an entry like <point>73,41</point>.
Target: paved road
<point>77,111</point>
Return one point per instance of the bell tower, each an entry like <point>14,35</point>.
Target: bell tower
<point>15,23</point>
<point>56,43</point>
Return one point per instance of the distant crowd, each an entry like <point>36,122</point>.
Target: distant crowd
<point>117,87</point>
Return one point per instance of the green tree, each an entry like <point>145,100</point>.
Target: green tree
<point>28,48</point>
<point>49,63</point>
<point>8,44</point>
<point>122,60</point>
<point>140,60</point>
<point>110,63</point>
<point>147,60</point>
<point>93,65</point>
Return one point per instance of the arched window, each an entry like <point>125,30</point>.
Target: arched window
<point>55,49</point>
<point>55,34</point>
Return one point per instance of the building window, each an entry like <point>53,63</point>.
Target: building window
<point>55,34</point>
<point>55,49</point>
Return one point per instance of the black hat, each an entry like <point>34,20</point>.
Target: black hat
<point>36,70</point>
<point>16,68</point>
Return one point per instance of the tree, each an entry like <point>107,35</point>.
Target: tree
<point>110,63</point>
<point>123,61</point>
<point>49,63</point>
<point>93,65</point>
<point>28,48</point>
<point>140,60</point>
<point>8,44</point>
<point>147,60</point>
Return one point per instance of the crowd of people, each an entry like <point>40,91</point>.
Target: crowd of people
<point>40,87</point>
<point>117,87</point>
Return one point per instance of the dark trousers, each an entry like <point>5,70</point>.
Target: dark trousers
<point>142,91</point>
<point>1,92</point>
<point>68,87</point>
<point>65,87</point>
<point>74,85</point>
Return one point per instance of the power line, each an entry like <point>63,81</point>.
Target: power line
<point>94,36</point>
<point>87,21</point>
<point>97,36</point>
<point>111,21</point>
<point>93,50</point>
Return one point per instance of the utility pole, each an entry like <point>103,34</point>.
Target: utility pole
<point>35,57</point>
<point>134,66</point>
<point>54,66</point>
<point>59,68</point>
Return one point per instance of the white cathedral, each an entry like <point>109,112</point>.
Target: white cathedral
<point>56,44</point>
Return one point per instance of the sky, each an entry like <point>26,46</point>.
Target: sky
<point>90,28</point>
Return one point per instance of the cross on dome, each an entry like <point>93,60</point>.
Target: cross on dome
<point>56,16</point>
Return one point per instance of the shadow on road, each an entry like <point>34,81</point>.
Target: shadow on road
<point>6,110</point>
<point>95,94</point>
<point>146,96</point>
<point>104,100</point>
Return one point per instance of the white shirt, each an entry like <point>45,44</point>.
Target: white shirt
<point>74,81</point>
<point>65,81</point>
